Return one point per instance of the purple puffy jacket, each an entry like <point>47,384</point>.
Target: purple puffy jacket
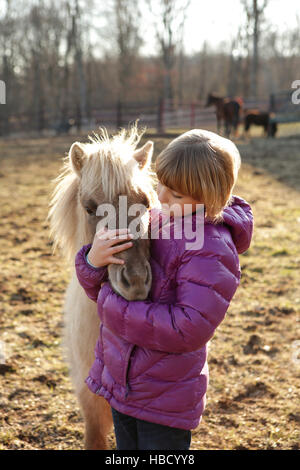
<point>151,356</point>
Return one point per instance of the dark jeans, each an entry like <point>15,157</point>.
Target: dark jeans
<point>136,434</point>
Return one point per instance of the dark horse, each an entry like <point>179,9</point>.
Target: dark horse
<point>227,110</point>
<point>260,118</point>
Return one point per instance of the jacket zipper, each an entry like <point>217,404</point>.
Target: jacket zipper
<point>129,354</point>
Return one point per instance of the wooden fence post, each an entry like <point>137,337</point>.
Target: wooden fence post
<point>272,103</point>
<point>160,116</point>
<point>192,115</point>
<point>119,114</point>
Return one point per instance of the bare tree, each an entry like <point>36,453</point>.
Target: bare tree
<point>254,10</point>
<point>181,55</point>
<point>238,51</point>
<point>203,65</point>
<point>34,47</point>
<point>281,51</point>
<point>41,29</point>
<point>169,22</point>
<point>233,76</point>
<point>128,41</point>
<point>7,48</point>
<point>75,45</point>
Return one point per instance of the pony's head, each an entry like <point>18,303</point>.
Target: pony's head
<point>88,195</point>
<point>212,98</point>
<point>209,100</point>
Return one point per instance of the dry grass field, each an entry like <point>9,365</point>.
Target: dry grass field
<point>253,396</point>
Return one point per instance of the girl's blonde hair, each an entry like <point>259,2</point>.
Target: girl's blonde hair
<point>202,165</point>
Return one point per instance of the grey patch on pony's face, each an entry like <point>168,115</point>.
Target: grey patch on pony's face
<point>133,279</point>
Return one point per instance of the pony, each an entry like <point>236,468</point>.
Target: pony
<point>227,110</point>
<point>260,118</point>
<point>95,173</point>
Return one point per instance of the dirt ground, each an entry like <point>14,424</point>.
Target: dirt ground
<point>254,358</point>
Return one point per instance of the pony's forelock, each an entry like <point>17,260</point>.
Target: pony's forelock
<point>111,157</point>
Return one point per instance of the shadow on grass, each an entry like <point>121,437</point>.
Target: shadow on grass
<point>278,157</point>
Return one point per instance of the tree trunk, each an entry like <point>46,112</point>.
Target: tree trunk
<point>79,79</point>
<point>254,65</point>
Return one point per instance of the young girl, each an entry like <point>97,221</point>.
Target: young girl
<point>157,389</point>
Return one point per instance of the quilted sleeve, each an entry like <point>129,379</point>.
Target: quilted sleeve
<point>204,290</point>
<point>89,278</point>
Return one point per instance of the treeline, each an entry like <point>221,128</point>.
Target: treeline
<point>66,58</point>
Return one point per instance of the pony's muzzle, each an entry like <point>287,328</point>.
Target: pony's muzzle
<point>135,285</point>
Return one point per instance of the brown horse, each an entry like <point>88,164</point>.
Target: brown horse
<point>93,174</point>
<point>227,110</point>
<point>260,118</point>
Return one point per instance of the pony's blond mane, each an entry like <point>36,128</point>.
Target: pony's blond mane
<point>108,157</point>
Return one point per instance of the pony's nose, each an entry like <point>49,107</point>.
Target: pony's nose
<point>124,277</point>
<point>137,284</point>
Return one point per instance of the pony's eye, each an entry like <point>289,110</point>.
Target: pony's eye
<point>90,211</point>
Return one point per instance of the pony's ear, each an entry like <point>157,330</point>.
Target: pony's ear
<point>144,155</point>
<point>77,157</point>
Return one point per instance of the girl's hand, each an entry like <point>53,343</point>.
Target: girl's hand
<point>103,249</point>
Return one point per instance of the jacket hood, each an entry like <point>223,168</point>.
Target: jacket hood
<point>238,217</point>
